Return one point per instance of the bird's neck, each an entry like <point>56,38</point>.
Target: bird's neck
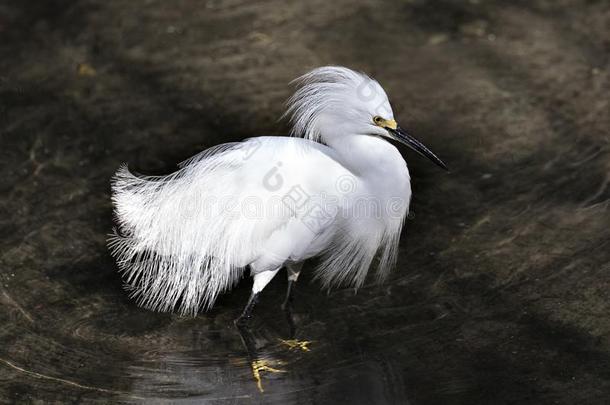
<point>369,156</point>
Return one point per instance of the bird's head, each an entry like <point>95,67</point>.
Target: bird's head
<point>334,101</point>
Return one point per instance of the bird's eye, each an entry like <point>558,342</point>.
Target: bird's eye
<point>377,119</point>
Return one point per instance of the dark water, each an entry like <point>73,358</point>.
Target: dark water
<point>501,293</point>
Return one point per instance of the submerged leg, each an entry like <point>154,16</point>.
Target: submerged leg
<point>258,364</point>
<point>293,270</point>
<point>292,342</point>
<point>246,314</point>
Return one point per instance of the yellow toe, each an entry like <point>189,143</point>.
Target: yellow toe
<point>297,344</point>
<point>260,365</point>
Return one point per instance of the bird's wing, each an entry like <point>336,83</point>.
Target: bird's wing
<point>184,238</point>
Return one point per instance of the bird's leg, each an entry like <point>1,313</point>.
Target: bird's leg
<point>292,343</point>
<point>293,271</point>
<point>247,338</point>
<point>261,279</point>
<point>258,364</point>
<point>288,300</point>
<point>246,314</point>
<point>287,304</point>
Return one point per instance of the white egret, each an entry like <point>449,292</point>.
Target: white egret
<point>337,190</point>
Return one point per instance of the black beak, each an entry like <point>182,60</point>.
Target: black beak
<point>401,136</point>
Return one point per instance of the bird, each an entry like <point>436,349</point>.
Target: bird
<point>336,188</point>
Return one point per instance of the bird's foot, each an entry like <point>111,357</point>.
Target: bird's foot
<point>294,344</point>
<point>260,365</point>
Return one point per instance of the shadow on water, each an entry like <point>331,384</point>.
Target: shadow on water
<point>214,362</point>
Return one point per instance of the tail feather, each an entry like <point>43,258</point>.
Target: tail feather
<point>166,245</point>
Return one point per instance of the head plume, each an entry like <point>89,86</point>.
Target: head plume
<point>330,95</point>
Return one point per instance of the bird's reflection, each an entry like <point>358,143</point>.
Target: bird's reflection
<point>265,362</point>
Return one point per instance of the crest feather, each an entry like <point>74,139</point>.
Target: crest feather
<point>323,89</point>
